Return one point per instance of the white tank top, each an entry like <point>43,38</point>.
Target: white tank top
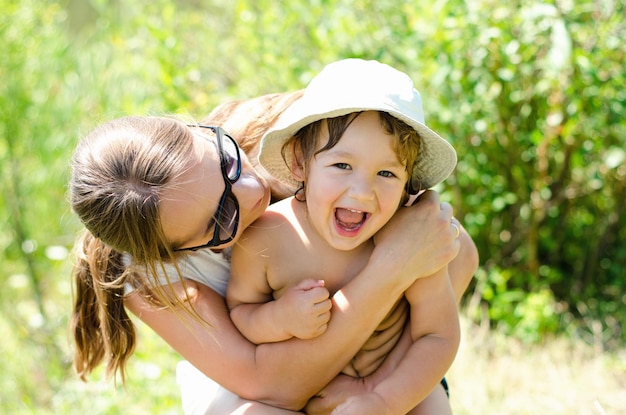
<point>204,266</point>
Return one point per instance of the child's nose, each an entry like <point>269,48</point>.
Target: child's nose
<point>362,188</point>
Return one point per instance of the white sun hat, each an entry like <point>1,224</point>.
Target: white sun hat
<point>353,85</point>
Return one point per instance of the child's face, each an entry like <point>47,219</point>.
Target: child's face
<point>354,188</point>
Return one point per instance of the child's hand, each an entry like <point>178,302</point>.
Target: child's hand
<point>305,309</point>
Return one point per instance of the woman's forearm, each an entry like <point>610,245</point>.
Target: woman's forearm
<point>303,367</point>
<point>417,242</point>
<point>284,374</point>
<point>463,267</point>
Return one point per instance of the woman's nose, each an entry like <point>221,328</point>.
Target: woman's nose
<point>247,190</point>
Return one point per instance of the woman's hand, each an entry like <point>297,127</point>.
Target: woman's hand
<point>335,393</point>
<point>346,395</point>
<point>369,403</point>
<point>419,240</point>
<point>344,388</point>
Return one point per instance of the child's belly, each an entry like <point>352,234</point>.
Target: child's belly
<point>381,342</point>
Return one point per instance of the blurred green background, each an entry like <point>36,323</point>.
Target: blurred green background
<point>532,94</point>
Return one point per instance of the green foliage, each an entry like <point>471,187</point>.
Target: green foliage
<point>530,93</point>
<point>33,158</point>
<point>528,316</point>
<point>533,100</point>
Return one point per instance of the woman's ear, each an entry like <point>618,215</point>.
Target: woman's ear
<point>297,163</point>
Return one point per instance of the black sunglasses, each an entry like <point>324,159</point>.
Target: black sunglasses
<point>227,215</point>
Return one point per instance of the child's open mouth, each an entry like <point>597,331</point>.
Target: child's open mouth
<point>350,219</point>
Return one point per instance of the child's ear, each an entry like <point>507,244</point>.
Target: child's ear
<point>297,163</point>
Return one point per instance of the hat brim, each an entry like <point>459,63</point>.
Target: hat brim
<point>436,160</point>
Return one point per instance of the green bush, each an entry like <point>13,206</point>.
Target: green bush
<point>531,94</point>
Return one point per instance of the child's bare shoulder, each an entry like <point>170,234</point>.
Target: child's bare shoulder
<point>273,227</point>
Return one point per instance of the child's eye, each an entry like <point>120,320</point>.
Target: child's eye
<point>386,173</point>
<point>342,166</point>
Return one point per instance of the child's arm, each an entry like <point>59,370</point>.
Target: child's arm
<point>417,241</point>
<point>303,311</point>
<point>436,334</point>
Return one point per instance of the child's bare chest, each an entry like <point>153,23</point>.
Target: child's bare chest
<point>336,268</point>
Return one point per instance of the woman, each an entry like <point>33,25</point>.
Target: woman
<point>147,188</point>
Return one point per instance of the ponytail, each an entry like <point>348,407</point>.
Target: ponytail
<point>119,172</point>
<point>101,327</point>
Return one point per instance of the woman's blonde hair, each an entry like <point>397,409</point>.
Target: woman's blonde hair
<point>247,121</point>
<point>119,172</point>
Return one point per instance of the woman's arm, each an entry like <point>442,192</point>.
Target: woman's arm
<point>463,267</point>
<point>461,270</point>
<point>416,243</point>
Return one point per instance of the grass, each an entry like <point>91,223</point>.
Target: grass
<point>494,374</point>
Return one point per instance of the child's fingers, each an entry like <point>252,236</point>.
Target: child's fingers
<point>309,284</point>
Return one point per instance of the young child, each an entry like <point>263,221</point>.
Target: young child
<point>357,147</point>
